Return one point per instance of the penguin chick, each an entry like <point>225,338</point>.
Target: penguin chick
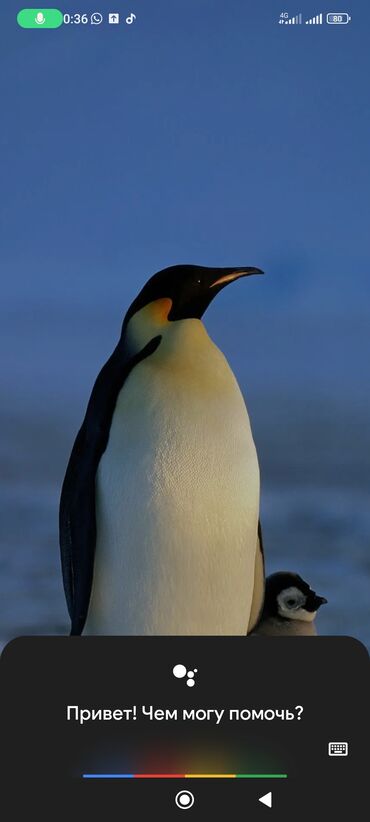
<point>290,607</point>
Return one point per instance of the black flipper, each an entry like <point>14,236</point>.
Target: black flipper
<point>77,524</point>
<point>259,583</point>
<point>260,542</point>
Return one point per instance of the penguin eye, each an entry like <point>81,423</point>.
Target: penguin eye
<point>291,599</point>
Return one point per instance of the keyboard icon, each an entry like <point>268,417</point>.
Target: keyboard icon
<point>338,749</point>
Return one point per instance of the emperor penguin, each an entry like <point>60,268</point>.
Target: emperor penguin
<point>159,511</point>
<point>290,607</point>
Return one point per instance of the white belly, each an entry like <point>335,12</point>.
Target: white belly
<point>177,499</point>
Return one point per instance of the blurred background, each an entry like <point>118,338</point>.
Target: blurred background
<point>205,133</point>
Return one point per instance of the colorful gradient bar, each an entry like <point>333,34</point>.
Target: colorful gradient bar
<point>185,776</point>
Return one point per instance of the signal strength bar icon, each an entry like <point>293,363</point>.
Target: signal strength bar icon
<point>315,20</point>
<point>297,20</point>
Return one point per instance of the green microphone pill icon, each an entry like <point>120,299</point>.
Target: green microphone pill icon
<point>40,18</point>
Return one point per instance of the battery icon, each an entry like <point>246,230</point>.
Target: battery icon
<point>338,18</point>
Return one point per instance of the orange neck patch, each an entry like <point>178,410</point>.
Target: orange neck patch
<point>158,310</point>
<point>148,322</point>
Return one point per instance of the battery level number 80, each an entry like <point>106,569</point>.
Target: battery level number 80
<point>336,18</point>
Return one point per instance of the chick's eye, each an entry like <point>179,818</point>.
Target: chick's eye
<point>291,603</point>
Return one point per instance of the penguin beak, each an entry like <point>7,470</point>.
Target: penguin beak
<point>234,274</point>
<point>313,602</point>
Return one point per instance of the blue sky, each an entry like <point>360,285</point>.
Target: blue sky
<point>207,133</point>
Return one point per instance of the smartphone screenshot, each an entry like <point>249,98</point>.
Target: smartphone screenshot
<point>185,405</point>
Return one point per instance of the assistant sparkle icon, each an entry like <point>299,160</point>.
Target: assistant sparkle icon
<point>180,671</point>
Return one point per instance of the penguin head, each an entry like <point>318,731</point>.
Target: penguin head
<point>288,596</point>
<point>183,292</point>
